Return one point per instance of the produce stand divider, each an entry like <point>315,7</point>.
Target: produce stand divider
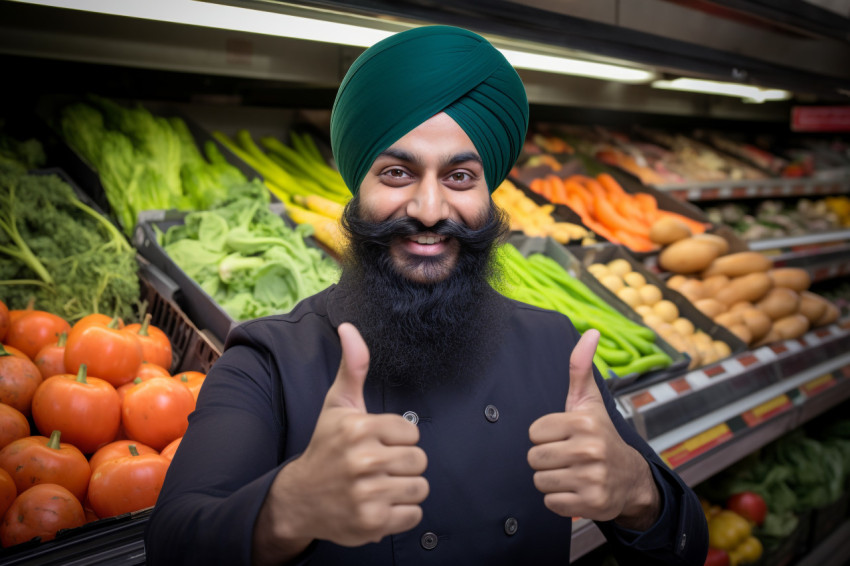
<point>754,188</point>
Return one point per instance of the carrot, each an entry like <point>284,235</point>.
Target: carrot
<point>635,242</point>
<point>608,215</point>
<point>536,185</point>
<point>578,190</point>
<point>695,226</point>
<point>648,205</point>
<point>611,185</point>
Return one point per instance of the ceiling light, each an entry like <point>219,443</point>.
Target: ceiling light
<point>566,66</point>
<point>747,92</point>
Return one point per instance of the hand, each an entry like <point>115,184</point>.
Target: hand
<point>582,465</point>
<point>360,478</point>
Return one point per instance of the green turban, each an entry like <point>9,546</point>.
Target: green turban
<point>402,81</point>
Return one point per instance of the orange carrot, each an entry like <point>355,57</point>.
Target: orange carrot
<point>635,242</point>
<point>695,226</point>
<point>611,185</point>
<point>608,215</point>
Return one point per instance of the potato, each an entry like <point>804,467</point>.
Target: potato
<point>666,310</point>
<point>676,281</point>
<point>741,305</point>
<point>757,321</point>
<point>650,294</point>
<point>687,256</point>
<point>719,241</point>
<point>729,319</point>
<point>634,279</point>
<point>684,326</point>
<point>619,266</point>
<point>693,290</point>
<point>598,270</point>
<point>653,321</point>
<point>742,332</point>
<point>668,230</point>
<point>710,307</point>
<point>750,287</point>
<point>644,310</point>
<point>738,264</point>
<point>791,278</point>
<point>829,316</point>
<point>769,338</point>
<point>713,284</point>
<point>630,296</point>
<point>792,326</point>
<point>722,349</point>
<point>812,306</point>
<point>779,303</point>
<point>613,282</point>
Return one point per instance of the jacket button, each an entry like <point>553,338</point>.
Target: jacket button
<point>410,416</point>
<point>428,541</point>
<point>511,526</point>
<point>491,413</point>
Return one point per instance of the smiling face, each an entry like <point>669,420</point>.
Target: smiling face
<point>431,174</point>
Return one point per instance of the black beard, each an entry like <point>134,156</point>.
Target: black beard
<point>422,334</point>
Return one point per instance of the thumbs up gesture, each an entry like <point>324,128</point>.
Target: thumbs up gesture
<point>360,478</point>
<point>582,465</point>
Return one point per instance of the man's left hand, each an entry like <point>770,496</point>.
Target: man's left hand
<point>582,465</point>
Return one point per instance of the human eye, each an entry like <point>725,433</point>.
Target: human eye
<point>395,176</point>
<point>462,179</point>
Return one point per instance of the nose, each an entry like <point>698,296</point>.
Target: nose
<point>428,203</point>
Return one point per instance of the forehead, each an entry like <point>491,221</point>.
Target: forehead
<point>440,135</point>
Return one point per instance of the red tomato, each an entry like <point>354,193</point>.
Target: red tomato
<point>108,352</point>
<point>147,370</point>
<point>156,411</point>
<point>749,505</point>
<point>115,450</point>
<point>4,320</point>
<point>50,360</point>
<point>13,425</point>
<point>15,352</point>
<point>156,347</point>
<point>717,557</point>
<point>32,330</point>
<point>127,484</point>
<point>86,409</point>
<point>193,380</point>
<point>41,511</point>
<point>8,491</point>
<point>19,378</point>
<point>36,459</point>
<point>171,449</point>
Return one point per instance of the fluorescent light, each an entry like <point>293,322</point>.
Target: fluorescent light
<point>747,92</point>
<point>566,66</point>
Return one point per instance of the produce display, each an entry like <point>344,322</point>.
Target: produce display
<point>660,314</point>
<point>247,258</point>
<point>535,220</point>
<point>59,252</point>
<point>780,219</point>
<point>608,210</point>
<point>625,347</point>
<point>93,447</point>
<point>146,162</point>
<point>741,291</point>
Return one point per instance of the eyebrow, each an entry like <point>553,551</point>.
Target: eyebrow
<point>408,157</point>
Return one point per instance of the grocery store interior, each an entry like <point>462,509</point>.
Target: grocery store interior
<point>687,162</point>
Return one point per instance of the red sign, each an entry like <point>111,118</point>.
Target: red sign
<point>820,119</point>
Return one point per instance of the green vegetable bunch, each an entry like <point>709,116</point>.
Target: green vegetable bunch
<point>29,154</point>
<point>146,162</point>
<point>56,250</point>
<point>625,347</point>
<point>247,258</point>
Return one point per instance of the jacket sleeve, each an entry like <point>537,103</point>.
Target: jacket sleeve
<point>680,535</point>
<point>224,468</point>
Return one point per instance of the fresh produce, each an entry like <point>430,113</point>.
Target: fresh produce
<point>127,484</point>
<point>34,329</point>
<point>156,347</point>
<point>749,505</point>
<point>193,380</point>
<point>247,258</point>
<point>19,378</point>
<point>85,408</point>
<point>716,557</point>
<point>840,206</point>
<point>778,219</point>
<point>8,491</point>
<point>109,353</point>
<point>56,250</point>
<point>26,154</point>
<point>115,450</point>
<point>535,220</point>
<point>38,459</point>
<point>4,321</point>
<point>41,511</point>
<point>13,425</point>
<point>50,359</point>
<point>609,211</point>
<point>147,370</point>
<point>146,162</point>
<point>156,411</point>
<point>171,449</point>
<point>659,314</point>
<point>625,347</point>
<point>689,255</point>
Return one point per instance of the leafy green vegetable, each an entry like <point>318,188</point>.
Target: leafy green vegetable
<point>28,153</point>
<point>60,252</point>
<point>247,258</point>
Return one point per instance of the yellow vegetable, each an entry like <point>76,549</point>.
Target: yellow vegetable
<point>666,310</point>
<point>320,205</point>
<point>634,279</point>
<point>325,230</point>
<point>650,294</point>
<point>687,256</point>
<point>727,529</point>
<point>619,266</point>
<point>748,552</point>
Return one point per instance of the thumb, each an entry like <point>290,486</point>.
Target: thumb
<point>582,385</point>
<point>347,388</point>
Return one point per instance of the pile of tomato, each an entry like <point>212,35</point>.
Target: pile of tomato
<point>90,417</point>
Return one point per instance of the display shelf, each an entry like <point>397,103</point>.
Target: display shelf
<point>814,240</point>
<point>821,262</point>
<point>832,551</point>
<point>757,188</point>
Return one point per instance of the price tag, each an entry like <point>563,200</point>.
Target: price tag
<point>739,192</point>
<point>823,332</point>
<point>767,410</point>
<point>714,371</point>
<point>818,384</point>
<point>680,385</point>
<point>779,348</point>
<point>699,444</point>
<point>641,399</point>
<point>748,359</point>
<point>725,192</point>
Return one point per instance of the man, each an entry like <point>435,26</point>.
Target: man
<point>411,414</point>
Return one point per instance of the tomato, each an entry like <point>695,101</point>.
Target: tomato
<point>127,484</point>
<point>108,352</point>
<point>50,360</point>
<point>717,557</point>
<point>32,330</point>
<point>15,352</point>
<point>115,450</point>
<point>86,409</point>
<point>193,380</point>
<point>41,511</point>
<point>8,491</point>
<point>156,347</point>
<point>750,505</point>
<point>171,449</point>
<point>37,459</point>
<point>4,320</point>
<point>156,411</point>
<point>147,370</point>
<point>13,425</point>
<point>19,378</point>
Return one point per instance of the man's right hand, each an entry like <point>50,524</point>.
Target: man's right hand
<point>359,479</point>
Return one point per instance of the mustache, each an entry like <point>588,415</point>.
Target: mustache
<point>493,228</point>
